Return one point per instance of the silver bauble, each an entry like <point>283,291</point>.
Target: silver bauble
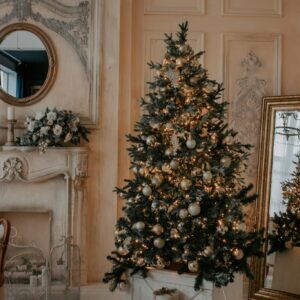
<point>193,266</point>
<point>147,191</point>
<point>156,180</point>
<point>174,164</point>
<point>185,184</point>
<point>135,169</point>
<point>228,140</point>
<point>169,151</point>
<point>194,209</point>
<point>207,251</point>
<point>207,176</point>
<point>159,243</point>
<point>155,204</point>
<point>183,213</point>
<point>122,251</point>
<point>237,253</point>
<point>157,229</point>
<point>123,286</point>
<point>127,241</point>
<point>150,140</point>
<point>139,226</point>
<point>226,161</point>
<point>191,144</point>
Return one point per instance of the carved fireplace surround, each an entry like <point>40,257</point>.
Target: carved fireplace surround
<point>53,182</point>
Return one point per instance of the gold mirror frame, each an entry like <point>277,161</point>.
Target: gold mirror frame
<point>41,93</point>
<point>270,106</point>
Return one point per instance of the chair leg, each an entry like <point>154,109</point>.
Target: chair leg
<point>4,238</point>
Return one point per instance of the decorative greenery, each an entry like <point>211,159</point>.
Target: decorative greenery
<point>286,233</point>
<point>164,291</point>
<point>184,205</point>
<point>53,127</point>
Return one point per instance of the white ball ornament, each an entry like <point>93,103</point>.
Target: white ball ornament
<point>139,226</point>
<point>123,286</point>
<point>122,251</point>
<point>207,176</point>
<point>229,140</point>
<point>147,191</point>
<point>193,266</point>
<point>157,229</point>
<point>185,184</point>
<point>127,241</point>
<point>237,253</point>
<point>191,144</point>
<point>183,213</point>
<point>159,243</point>
<point>226,161</point>
<point>194,209</point>
<point>150,140</point>
<point>156,180</point>
<point>169,152</point>
<point>174,164</point>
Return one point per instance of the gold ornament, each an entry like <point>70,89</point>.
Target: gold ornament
<point>122,251</point>
<point>169,151</point>
<point>157,229</point>
<point>298,214</point>
<point>207,251</point>
<point>193,80</point>
<point>157,180</point>
<point>159,243</point>
<point>193,266</point>
<point>140,261</point>
<point>174,234</point>
<point>180,61</point>
<point>237,253</point>
<point>229,140</point>
<point>185,184</point>
<point>160,263</point>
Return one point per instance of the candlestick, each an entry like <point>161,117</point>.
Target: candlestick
<point>11,133</point>
<point>10,113</point>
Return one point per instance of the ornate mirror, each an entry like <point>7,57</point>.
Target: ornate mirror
<point>27,64</point>
<point>277,275</point>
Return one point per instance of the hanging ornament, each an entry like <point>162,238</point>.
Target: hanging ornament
<point>174,234</point>
<point>226,161</point>
<point>204,132</point>
<point>222,228</point>
<point>190,143</point>
<point>139,226</point>
<point>157,180</point>
<point>203,111</point>
<point>122,251</point>
<point>193,266</point>
<point>166,168</point>
<point>193,80</point>
<point>229,140</point>
<point>185,184</point>
<point>123,286</point>
<point>135,169</point>
<point>169,151</point>
<point>160,263</point>
<point>174,164</point>
<point>155,204</point>
<point>214,138</point>
<point>157,229</point>
<point>298,214</point>
<point>183,213</point>
<point>183,48</point>
<point>150,140</point>
<point>140,261</point>
<point>194,209</point>
<point>127,241</point>
<point>207,176</point>
<point>159,243</point>
<point>207,251</point>
<point>147,191</point>
<point>180,226</point>
<point>237,253</point>
<point>180,61</point>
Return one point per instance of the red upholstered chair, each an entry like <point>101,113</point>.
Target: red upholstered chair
<point>4,237</point>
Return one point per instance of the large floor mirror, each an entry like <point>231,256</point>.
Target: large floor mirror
<point>277,275</point>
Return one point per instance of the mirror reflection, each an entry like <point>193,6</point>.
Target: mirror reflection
<point>283,260</point>
<point>24,64</point>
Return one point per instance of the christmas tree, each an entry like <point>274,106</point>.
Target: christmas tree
<point>183,207</point>
<point>286,232</point>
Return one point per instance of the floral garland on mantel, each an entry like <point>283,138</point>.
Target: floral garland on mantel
<point>53,127</point>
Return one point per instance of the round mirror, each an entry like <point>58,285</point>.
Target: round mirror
<point>27,64</point>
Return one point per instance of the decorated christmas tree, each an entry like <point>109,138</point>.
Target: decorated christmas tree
<point>184,205</point>
<point>286,232</point>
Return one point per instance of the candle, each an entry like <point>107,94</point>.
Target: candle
<point>10,113</point>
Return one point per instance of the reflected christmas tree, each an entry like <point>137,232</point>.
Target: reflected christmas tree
<point>286,232</point>
<point>184,206</point>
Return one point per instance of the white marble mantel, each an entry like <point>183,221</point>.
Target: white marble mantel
<point>53,182</point>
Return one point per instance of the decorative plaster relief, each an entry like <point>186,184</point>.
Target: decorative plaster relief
<point>256,8</point>
<point>154,50</point>
<point>251,70</point>
<point>193,7</point>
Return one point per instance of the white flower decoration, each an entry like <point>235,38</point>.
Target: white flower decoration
<point>68,137</point>
<point>57,130</point>
<point>44,130</point>
<point>39,115</point>
<point>51,115</point>
<point>31,126</point>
